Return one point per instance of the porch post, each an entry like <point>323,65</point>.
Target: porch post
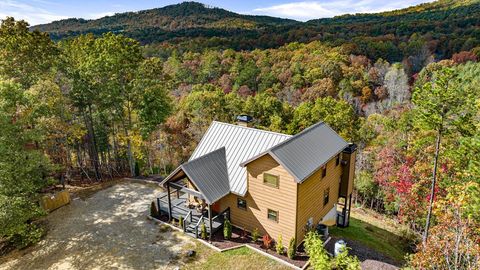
<point>210,222</point>
<point>159,207</point>
<point>169,203</point>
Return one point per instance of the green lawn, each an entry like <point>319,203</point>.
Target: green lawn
<point>368,232</point>
<point>241,258</point>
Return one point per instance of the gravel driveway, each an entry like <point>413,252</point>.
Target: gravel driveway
<point>107,230</point>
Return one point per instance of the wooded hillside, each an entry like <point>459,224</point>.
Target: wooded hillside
<point>448,27</point>
<point>403,85</point>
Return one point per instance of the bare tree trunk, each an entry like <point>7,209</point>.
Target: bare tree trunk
<point>131,162</point>
<point>432,191</point>
<point>115,148</point>
<point>92,143</point>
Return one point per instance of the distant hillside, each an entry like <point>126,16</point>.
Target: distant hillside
<point>448,26</point>
<point>174,18</point>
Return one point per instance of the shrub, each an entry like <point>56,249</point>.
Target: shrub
<point>255,235</point>
<point>267,241</point>
<point>180,222</point>
<point>345,261</point>
<point>203,231</point>
<point>319,258</point>
<point>279,245</point>
<point>227,229</point>
<point>314,248</point>
<point>153,210</point>
<point>292,249</point>
<point>27,235</point>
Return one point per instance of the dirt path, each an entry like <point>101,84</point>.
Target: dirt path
<point>107,230</point>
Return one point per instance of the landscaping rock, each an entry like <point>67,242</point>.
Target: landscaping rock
<point>190,253</point>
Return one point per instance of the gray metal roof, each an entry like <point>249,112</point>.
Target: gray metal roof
<point>241,143</point>
<point>307,151</point>
<point>208,173</point>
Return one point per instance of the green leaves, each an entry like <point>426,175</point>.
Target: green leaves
<point>24,168</point>
<point>443,104</point>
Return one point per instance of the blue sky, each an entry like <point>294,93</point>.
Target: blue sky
<point>44,11</point>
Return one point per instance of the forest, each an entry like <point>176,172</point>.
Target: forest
<point>97,107</point>
<point>448,27</point>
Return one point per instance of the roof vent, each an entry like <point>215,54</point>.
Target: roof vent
<point>244,120</point>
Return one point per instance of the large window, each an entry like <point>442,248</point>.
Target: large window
<point>326,196</point>
<point>324,171</point>
<point>270,179</point>
<point>273,215</point>
<point>242,203</point>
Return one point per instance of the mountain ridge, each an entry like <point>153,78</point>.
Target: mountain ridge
<point>194,26</point>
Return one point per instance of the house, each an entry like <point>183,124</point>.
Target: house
<point>276,183</point>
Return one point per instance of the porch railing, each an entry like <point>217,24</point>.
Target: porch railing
<point>186,220</point>
<point>196,226</point>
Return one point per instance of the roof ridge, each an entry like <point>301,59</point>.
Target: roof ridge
<point>301,133</point>
<point>251,128</point>
<point>197,158</point>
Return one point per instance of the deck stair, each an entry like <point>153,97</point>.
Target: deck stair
<point>192,218</point>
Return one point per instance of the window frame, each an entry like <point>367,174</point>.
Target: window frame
<point>324,171</point>
<point>276,215</point>
<point>338,160</point>
<point>270,184</point>
<point>238,205</point>
<point>326,196</point>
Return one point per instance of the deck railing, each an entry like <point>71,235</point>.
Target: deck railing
<point>186,220</point>
<point>224,214</point>
<point>196,226</point>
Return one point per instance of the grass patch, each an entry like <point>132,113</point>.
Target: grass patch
<point>381,240</point>
<point>240,258</point>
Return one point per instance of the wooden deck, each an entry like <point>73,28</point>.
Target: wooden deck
<point>180,209</point>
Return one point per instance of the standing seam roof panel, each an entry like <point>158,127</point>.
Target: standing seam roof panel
<point>241,143</point>
<point>306,152</point>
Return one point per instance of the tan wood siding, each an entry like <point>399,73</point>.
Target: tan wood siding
<point>310,196</point>
<point>261,197</point>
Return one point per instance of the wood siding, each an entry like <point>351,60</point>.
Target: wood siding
<point>310,196</point>
<point>261,197</point>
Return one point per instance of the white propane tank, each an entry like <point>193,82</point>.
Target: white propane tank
<point>339,246</point>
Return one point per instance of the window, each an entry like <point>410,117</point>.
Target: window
<point>324,171</point>
<point>242,203</point>
<point>326,195</point>
<point>273,215</point>
<point>271,180</point>
<point>337,162</point>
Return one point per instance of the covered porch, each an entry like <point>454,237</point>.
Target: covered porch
<point>192,215</point>
<point>192,193</point>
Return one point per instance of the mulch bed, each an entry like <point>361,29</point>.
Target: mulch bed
<point>237,240</point>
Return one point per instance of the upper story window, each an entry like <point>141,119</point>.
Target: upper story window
<point>326,196</point>
<point>337,161</point>
<point>272,215</point>
<point>324,171</point>
<point>242,203</point>
<point>271,180</point>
